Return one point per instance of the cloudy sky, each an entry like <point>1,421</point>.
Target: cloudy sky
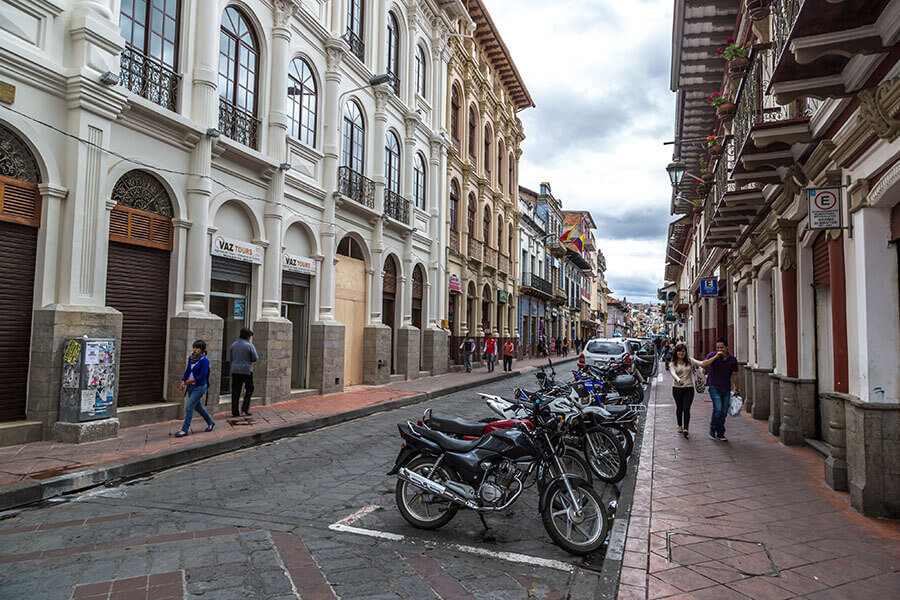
<point>598,71</point>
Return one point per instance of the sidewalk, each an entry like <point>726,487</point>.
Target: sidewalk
<point>753,491</point>
<point>40,470</point>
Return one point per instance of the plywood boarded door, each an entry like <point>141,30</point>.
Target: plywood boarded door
<point>350,309</point>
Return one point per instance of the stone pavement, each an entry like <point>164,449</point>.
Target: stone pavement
<point>747,518</point>
<point>31,472</point>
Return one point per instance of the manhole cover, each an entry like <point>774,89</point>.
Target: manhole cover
<point>734,554</point>
<point>306,462</point>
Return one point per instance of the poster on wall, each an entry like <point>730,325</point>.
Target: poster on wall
<point>88,380</point>
<point>824,208</point>
<point>298,264</point>
<point>454,283</point>
<point>239,304</point>
<point>227,247</point>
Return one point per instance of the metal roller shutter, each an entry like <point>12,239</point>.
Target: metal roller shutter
<point>291,278</point>
<point>821,273</point>
<point>236,271</point>
<point>18,247</point>
<point>137,285</point>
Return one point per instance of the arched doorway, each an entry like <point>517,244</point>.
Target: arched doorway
<point>137,283</point>
<point>486,307</point>
<point>20,217</point>
<point>350,305</point>
<point>418,296</point>
<point>389,301</point>
<point>298,271</point>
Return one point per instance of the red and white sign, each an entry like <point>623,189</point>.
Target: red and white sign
<point>227,247</point>
<point>454,283</point>
<point>824,208</point>
<point>298,264</point>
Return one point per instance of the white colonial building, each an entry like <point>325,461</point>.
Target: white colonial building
<point>179,169</point>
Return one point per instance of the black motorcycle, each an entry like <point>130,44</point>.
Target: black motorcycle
<point>438,475</point>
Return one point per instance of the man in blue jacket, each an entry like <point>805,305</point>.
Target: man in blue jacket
<point>242,355</point>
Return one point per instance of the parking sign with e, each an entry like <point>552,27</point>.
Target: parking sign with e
<point>824,208</point>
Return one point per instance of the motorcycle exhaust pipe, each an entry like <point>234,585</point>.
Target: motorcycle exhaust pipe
<point>434,487</point>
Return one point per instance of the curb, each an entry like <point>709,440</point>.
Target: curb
<point>36,491</point>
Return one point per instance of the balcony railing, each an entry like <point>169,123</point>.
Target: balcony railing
<point>148,78</point>
<point>356,186</point>
<point>238,124</point>
<point>503,265</point>
<point>555,247</point>
<point>396,206</point>
<point>784,13</point>
<point>538,283</point>
<point>475,248</point>
<point>454,240</point>
<point>490,257</point>
<point>357,46</point>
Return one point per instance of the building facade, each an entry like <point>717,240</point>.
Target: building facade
<point>485,91</point>
<point>583,323</point>
<point>277,186</point>
<point>797,221</point>
<point>536,302</point>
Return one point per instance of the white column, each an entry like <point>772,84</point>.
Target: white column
<point>411,35</point>
<point>409,149</point>
<point>382,94</point>
<point>335,49</point>
<point>437,276</point>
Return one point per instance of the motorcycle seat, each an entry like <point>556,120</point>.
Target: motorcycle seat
<point>445,441</point>
<point>455,425</point>
<point>616,409</point>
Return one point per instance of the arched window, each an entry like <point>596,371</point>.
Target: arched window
<point>392,162</point>
<point>487,226</point>
<point>470,219</point>
<point>354,138</point>
<point>238,74</point>
<point>487,150</point>
<point>454,114</point>
<point>473,128</point>
<point>354,34</point>
<point>393,52</point>
<point>149,62</point>
<point>419,181</point>
<point>302,101</point>
<point>499,235</point>
<point>454,205</point>
<point>512,173</point>
<point>510,249</point>
<point>420,70</point>
<point>500,153</point>
<point>350,247</point>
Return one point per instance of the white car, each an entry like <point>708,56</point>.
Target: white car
<point>604,351</point>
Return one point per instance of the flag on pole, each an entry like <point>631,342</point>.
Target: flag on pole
<point>579,242</point>
<point>570,234</point>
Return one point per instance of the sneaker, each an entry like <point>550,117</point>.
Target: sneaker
<point>680,430</point>
<point>712,436</point>
<point>686,434</point>
<point>721,437</point>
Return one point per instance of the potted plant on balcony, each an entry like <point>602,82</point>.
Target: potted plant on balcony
<point>725,108</point>
<point>705,175</point>
<point>738,59</point>
<point>757,9</point>
<point>714,147</point>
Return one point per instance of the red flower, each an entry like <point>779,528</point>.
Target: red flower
<point>729,40</point>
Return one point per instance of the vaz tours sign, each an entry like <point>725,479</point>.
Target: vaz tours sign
<point>298,264</point>
<point>227,247</point>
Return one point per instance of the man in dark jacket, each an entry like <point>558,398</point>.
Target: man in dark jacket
<point>242,356</point>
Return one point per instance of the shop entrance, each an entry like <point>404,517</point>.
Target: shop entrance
<point>229,299</point>
<point>295,308</point>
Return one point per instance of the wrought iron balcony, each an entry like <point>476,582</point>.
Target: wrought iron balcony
<point>784,13</point>
<point>530,280</point>
<point>356,186</point>
<point>396,206</point>
<point>148,78</point>
<point>357,46</point>
<point>475,249</point>
<point>238,124</point>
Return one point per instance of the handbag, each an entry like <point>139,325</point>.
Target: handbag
<point>699,381</point>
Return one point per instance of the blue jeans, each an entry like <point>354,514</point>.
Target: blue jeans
<point>468,361</point>
<point>720,399</point>
<point>490,361</point>
<point>195,402</point>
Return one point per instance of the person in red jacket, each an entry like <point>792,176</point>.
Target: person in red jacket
<point>489,351</point>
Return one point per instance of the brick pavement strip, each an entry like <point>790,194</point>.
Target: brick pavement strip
<point>150,448</point>
<point>750,490</point>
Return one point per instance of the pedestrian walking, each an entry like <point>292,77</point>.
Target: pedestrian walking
<point>577,345</point>
<point>489,351</point>
<point>196,380</point>
<point>468,347</point>
<point>721,378</point>
<point>667,353</point>
<point>565,346</point>
<point>682,370</point>
<point>242,355</point>
<point>508,350</point>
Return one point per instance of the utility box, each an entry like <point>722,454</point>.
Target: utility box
<point>89,371</point>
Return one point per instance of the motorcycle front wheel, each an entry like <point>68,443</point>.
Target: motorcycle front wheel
<point>605,454</point>
<point>577,529</point>
<point>574,465</point>
<point>420,508</point>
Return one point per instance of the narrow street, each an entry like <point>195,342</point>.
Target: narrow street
<point>255,524</point>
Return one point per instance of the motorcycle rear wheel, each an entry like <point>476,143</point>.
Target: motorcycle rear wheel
<point>420,508</point>
<point>581,536</point>
<point>604,454</point>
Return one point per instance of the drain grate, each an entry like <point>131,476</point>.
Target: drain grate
<point>746,557</point>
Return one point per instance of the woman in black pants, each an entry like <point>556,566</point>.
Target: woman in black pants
<point>681,369</point>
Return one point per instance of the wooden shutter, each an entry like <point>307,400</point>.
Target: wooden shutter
<point>133,226</point>
<point>821,273</point>
<point>18,250</point>
<point>20,202</point>
<point>137,285</point>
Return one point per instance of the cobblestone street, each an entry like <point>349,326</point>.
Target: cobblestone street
<point>255,524</point>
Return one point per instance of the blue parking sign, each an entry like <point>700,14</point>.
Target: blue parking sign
<point>709,286</point>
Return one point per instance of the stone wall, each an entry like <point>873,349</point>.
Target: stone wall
<point>435,351</point>
<point>798,410</point>
<point>873,457</point>
<point>272,373</point>
<point>769,409</point>
<point>377,354</point>
<point>326,357</point>
<point>834,429</point>
<point>184,329</point>
<point>408,352</point>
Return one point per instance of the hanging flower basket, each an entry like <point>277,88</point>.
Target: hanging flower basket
<point>726,111</point>
<point>738,68</point>
<point>716,151</point>
<point>706,177</point>
<point>757,9</point>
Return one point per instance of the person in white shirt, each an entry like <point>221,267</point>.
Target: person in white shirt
<point>682,369</point>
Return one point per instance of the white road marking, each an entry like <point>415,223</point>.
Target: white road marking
<point>344,526</point>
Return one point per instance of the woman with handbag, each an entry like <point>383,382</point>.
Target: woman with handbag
<point>682,369</point>
<point>196,378</point>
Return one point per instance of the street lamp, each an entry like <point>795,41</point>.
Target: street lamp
<point>676,170</point>
<point>374,81</point>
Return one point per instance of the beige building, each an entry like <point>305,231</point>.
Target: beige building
<point>485,93</point>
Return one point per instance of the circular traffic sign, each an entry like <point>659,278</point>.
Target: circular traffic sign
<point>825,200</point>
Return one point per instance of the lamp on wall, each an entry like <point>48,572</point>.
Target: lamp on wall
<point>676,171</point>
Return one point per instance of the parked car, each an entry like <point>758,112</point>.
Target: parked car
<point>602,351</point>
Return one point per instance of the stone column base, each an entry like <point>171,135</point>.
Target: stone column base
<point>377,354</point>
<point>408,352</point>
<point>326,356</point>
<point>773,407</point>
<point>89,431</point>
<point>873,445</point>
<point>272,373</point>
<point>51,326</point>
<point>746,387</point>
<point>184,330</point>
<point>798,410</point>
<point>760,378</point>
<point>436,351</point>
<point>835,433</point>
